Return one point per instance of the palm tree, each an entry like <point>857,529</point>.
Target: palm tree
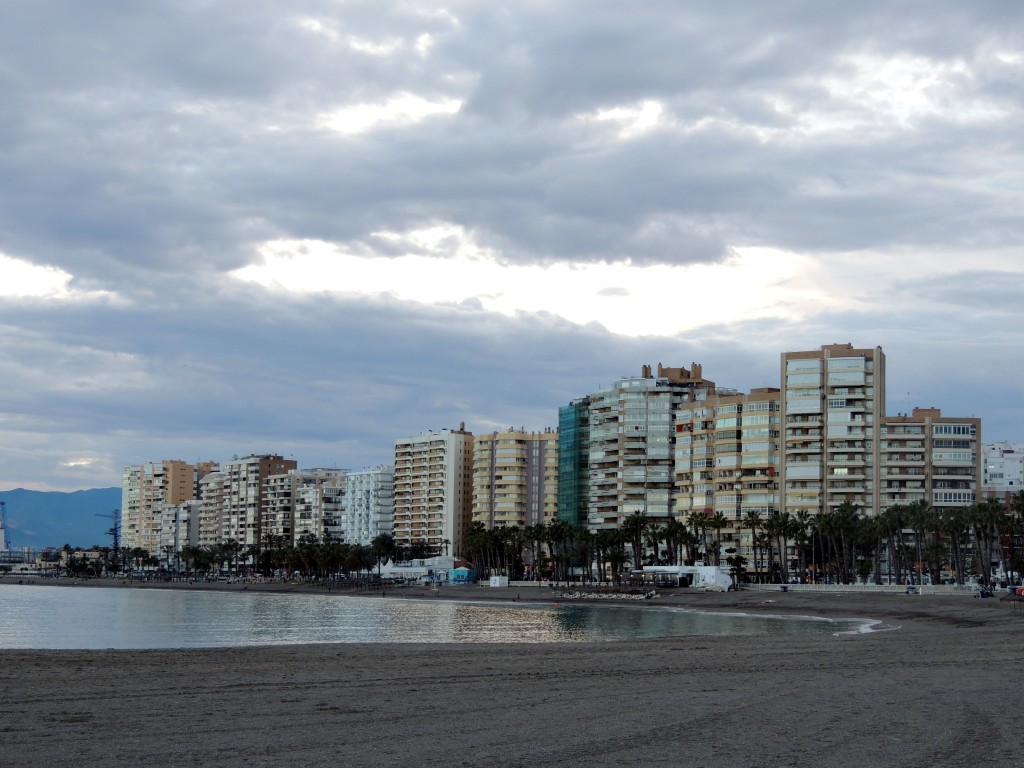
<point>752,520</point>
<point>560,535</point>
<point>698,522</point>
<point>718,521</point>
<point>383,549</point>
<point>675,534</point>
<point>653,535</point>
<point>633,529</point>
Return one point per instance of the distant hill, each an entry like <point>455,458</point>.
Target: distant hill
<point>52,519</point>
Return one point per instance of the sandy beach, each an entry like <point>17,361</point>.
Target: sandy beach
<point>940,685</point>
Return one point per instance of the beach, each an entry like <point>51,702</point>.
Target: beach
<point>938,684</point>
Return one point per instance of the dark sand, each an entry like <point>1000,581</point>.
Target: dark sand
<point>941,687</point>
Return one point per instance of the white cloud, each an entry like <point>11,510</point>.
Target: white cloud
<point>23,278</point>
<point>444,265</point>
<point>632,121</point>
<point>401,110</point>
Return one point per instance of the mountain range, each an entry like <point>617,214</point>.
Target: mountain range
<point>52,519</point>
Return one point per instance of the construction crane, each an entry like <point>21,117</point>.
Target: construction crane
<point>115,530</point>
<point>4,544</point>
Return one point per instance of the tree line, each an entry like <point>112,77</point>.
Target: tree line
<point>913,541</point>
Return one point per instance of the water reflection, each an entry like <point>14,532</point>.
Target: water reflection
<point>61,617</point>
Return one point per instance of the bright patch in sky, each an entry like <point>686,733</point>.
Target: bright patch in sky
<point>444,266</point>
<point>23,278</point>
<point>77,463</point>
<point>905,88</point>
<point>632,121</point>
<point>403,109</point>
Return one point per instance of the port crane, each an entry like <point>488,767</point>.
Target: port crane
<point>4,545</point>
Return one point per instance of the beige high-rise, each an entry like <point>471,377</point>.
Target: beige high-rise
<point>726,460</point>
<point>931,458</point>
<point>832,405</point>
<point>515,478</point>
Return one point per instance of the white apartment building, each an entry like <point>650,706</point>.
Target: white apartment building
<point>1003,470</point>
<point>145,491</point>
<point>368,509</point>
<point>433,489</point>
<point>232,506</point>
<point>211,506</point>
<point>318,503</point>
<point>179,528</point>
<point>632,441</point>
<point>302,502</point>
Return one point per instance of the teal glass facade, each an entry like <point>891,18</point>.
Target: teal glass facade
<point>573,451</point>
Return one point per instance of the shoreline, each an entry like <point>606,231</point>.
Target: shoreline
<point>942,689</point>
<point>958,609</point>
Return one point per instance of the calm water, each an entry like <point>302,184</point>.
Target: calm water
<point>35,616</point>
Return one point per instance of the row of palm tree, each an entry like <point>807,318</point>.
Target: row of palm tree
<point>559,549</point>
<point>840,544</point>
<point>843,544</point>
<point>914,540</point>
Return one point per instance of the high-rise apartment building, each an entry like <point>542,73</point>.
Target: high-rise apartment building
<point>319,502</point>
<point>179,527</point>
<point>631,435</point>
<point>832,405</point>
<point>515,478</point>
<point>433,489</point>
<point>232,505</point>
<point>212,488</point>
<point>369,505</point>
<point>573,461</point>
<point>145,491</point>
<point>726,460</point>
<point>931,458</point>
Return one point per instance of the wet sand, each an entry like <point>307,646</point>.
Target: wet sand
<point>939,686</point>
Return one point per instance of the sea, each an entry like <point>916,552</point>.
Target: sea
<point>39,616</point>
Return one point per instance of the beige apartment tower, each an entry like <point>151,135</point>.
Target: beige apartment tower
<point>727,461</point>
<point>931,458</point>
<point>433,489</point>
<point>515,478</point>
<point>833,401</point>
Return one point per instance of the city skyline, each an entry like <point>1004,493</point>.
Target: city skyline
<point>311,230</point>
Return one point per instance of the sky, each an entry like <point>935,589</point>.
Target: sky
<point>312,228</point>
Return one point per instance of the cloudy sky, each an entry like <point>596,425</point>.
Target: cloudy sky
<point>314,227</point>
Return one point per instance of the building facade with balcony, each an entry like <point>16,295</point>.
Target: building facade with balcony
<point>931,458</point>
<point>433,489</point>
<point>631,444</point>
<point>368,509</point>
<point>833,400</point>
<point>515,478</point>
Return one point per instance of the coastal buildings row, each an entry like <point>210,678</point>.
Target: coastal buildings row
<point>669,443</point>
